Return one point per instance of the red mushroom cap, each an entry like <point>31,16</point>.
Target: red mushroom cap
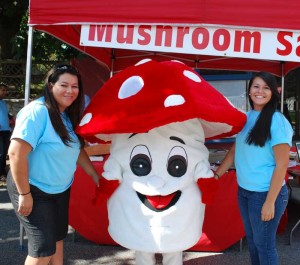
<point>152,94</point>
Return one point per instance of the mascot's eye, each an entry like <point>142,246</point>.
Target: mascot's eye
<point>140,165</point>
<point>140,160</point>
<point>177,162</point>
<point>177,166</point>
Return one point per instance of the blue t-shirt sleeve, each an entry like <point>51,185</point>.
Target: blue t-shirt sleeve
<point>30,123</point>
<point>281,130</point>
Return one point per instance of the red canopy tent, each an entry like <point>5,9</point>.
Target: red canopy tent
<point>218,22</point>
<point>230,35</point>
<point>64,20</point>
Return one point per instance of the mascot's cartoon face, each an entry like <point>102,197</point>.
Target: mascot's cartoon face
<point>158,195</point>
<point>157,116</point>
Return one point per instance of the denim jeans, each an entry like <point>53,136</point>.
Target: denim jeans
<point>261,235</point>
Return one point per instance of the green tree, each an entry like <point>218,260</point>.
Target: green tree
<point>11,12</point>
<point>14,30</point>
<point>45,47</point>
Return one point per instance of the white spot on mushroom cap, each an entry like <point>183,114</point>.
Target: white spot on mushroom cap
<point>143,61</point>
<point>174,100</point>
<point>130,87</point>
<point>192,76</point>
<point>86,119</point>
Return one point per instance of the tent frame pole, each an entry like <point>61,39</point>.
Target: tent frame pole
<point>112,62</point>
<point>282,87</point>
<point>28,65</point>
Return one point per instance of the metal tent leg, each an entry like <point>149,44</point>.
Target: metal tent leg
<point>21,237</point>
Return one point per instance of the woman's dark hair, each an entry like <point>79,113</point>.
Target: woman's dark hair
<point>261,132</point>
<point>74,111</point>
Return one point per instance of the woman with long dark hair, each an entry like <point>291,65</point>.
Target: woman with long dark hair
<point>44,152</point>
<point>261,157</point>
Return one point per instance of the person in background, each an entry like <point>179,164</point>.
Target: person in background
<point>43,154</point>
<point>261,157</point>
<point>5,130</point>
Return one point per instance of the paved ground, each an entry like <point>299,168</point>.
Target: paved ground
<point>83,252</point>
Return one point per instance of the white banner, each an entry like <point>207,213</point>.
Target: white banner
<point>230,42</point>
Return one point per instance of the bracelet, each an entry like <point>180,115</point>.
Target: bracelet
<point>217,175</point>
<point>23,194</point>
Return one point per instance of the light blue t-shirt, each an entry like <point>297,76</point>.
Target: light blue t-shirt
<point>51,163</point>
<point>4,121</point>
<point>255,164</point>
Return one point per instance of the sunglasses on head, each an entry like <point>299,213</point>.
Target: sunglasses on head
<point>65,67</point>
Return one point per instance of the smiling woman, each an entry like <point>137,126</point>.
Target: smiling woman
<point>260,93</point>
<point>261,158</point>
<point>65,90</point>
<point>41,142</point>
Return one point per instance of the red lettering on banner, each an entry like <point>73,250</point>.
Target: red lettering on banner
<point>204,34</point>
<point>221,39</point>
<point>125,36</point>
<point>210,40</point>
<point>167,32</point>
<point>144,32</point>
<point>92,32</point>
<point>249,39</point>
<point>181,32</point>
<point>101,31</point>
<point>298,48</point>
<point>281,37</point>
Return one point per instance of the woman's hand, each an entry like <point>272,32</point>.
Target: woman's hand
<point>267,211</point>
<point>282,154</point>
<point>25,204</point>
<point>86,164</point>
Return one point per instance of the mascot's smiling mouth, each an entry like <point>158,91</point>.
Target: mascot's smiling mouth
<point>159,203</point>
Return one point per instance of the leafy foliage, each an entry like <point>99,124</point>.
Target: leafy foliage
<point>11,9</point>
<point>45,47</point>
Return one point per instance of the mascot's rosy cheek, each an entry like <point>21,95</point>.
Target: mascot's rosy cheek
<point>157,116</point>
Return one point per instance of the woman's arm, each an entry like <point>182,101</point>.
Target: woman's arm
<point>18,152</point>
<point>281,153</point>
<point>226,163</point>
<point>85,163</point>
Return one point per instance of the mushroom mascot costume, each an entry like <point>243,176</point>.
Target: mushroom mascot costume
<point>157,116</point>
